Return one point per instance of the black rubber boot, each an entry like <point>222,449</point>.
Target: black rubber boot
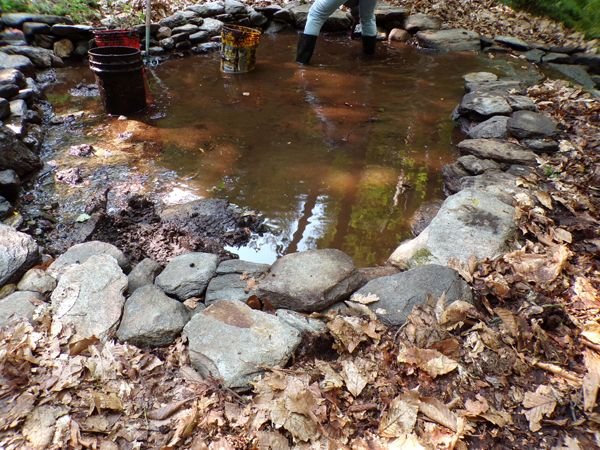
<point>369,44</point>
<point>306,47</point>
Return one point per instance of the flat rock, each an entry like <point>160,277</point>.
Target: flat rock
<point>309,281</point>
<point>469,224</point>
<point>421,22</point>
<point>451,40</point>
<point>495,128</point>
<point>209,9</point>
<point>74,32</point>
<point>499,87</point>
<point>40,57</point>
<point>530,125</point>
<point>541,145</point>
<point>240,266</point>
<point>497,150</point>
<point>480,106</point>
<point>513,42</point>
<point>591,60</point>
<point>19,305</point>
<point>577,73</point>
<point>174,20</point>
<point>390,15</point>
<point>37,280</point>
<point>187,275</point>
<point>89,296</point>
<point>228,287</point>
<point>18,19</point>
<point>476,166</point>
<point>501,185</point>
<point>12,76</point>
<point>187,28</point>
<point>521,102</point>
<point>18,253</point>
<point>399,293</point>
<point>18,108</point>
<point>33,28</point>
<point>151,319</point>
<point>211,26</point>
<point>234,7</point>
<point>200,36</point>
<point>143,274</point>
<point>557,58</point>
<point>19,62</point>
<point>80,253</point>
<point>479,77</point>
<point>234,343</point>
<point>535,55</point>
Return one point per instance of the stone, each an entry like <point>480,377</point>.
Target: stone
<point>558,58</point>
<point>421,22</point>
<point>479,77</point>
<point>18,253</point>
<point>28,95</point>
<point>211,26</point>
<point>200,36</point>
<point>234,7</point>
<point>183,45</point>
<point>174,20</point>
<point>452,174</point>
<point>501,185</point>
<point>198,216</point>
<point>476,166</point>
<point>40,57</point>
<point>19,62</point>
<point>187,275</point>
<point>423,216</point>
<point>574,73</point>
<point>276,27</point>
<point>234,343</point>
<point>81,48</point>
<point>141,29</point>
<point>370,273</point>
<point>501,151</point>
<point>18,19</point>
<point>19,305</point>
<point>479,106</point>
<point>151,319</point>
<point>399,293</point>
<point>9,184</point>
<point>591,60</point>
<point>304,324</point>
<point>530,125</point>
<point>284,15</point>
<point>521,102</point>
<point>167,43</point>
<point>499,87</point>
<point>257,19</point>
<point>156,51</point>
<point>80,253</point>
<point>240,266</point>
<point>6,208</point>
<point>398,35</point>
<point>143,274</point>
<point>73,32</point>
<point>309,281</point>
<point>206,47</point>
<point>37,280</point>
<point>494,127</point>
<point>163,33</point>
<point>209,9</point>
<point>89,296</point>
<point>541,145</point>
<point>513,42</point>
<point>63,48</point>
<point>18,108</point>
<point>44,41</point>
<point>390,16</point>
<point>338,21</point>
<point>469,224</point>
<point>229,286</point>
<point>4,108</point>
<point>32,28</point>
<point>535,55</point>
<point>13,77</point>
<point>450,40</point>
<point>187,28</point>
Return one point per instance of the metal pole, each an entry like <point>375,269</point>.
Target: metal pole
<point>148,20</point>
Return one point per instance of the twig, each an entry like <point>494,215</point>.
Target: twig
<point>556,370</point>
<point>362,407</point>
<point>591,345</point>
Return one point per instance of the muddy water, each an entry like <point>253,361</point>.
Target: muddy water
<point>339,154</point>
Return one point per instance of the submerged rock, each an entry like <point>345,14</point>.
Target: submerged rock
<point>18,253</point>
<point>399,293</point>
<point>309,281</point>
<point>451,40</point>
<point>234,343</point>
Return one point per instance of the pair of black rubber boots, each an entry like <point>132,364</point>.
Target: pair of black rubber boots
<point>306,47</point>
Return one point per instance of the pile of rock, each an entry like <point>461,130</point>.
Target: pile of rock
<point>205,299</point>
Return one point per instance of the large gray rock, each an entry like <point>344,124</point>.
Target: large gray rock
<point>451,40</point>
<point>591,60</point>
<point>480,106</point>
<point>12,76</point>
<point>40,57</point>
<point>37,280</point>
<point>421,22</point>
<point>15,155</point>
<point>493,128</point>
<point>502,185</point>
<point>209,9</point>
<point>20,305</point>
<point>187,275</point>
<point>390,16</point>
<point>521,102</point>
<point>174,20</point>
<point>18,252</point>
<point>309,281</point>
<point>399,293</point>
<point>478,77</point>
<point>240,266</point>
<point>476,166</point>
<point>469,224</point>
<point>228,287</point>
<point>73,32</point>
<point>89,296</point>
<point>18,19</point>
<point>497,150</point>
<point>498,87</point>
<point>80,253</point>
<point>513,42</point>
<point>234,343</point>
<point>234,7</point>
<point>143,274</point>
<point>33,28</point>
<point>423,216</point>
<point>541,145</point>
<point>531,125</point>
<point>301,322</point>
<point>151,319</point>
<point>18,62</point>
<point>577,73</point>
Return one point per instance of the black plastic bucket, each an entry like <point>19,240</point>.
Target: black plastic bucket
<point>119,74</point>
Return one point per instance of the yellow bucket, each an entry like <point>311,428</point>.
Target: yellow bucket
<point>238,48</point>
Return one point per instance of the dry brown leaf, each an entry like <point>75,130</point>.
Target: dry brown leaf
<point>186,423</point>
<point>508,320</point>
<point>103,401</point>
<point>539,268</point>
<point>349,332</point>
<point>364,299</point>
<point>570,443</point>
<point>456,313</point>
<point>406,442</point>
<point>591,381</point>
<point>78,347</point>
<point>429,360</point>
<point>164,412</point>
<point>354,379</point>
<point>591,331</point>
<point>331,379</point>
<point>401,416</point>
<point>435,410</point>
<point>544,198</point>
<point>271,440</point>
<point>539,404</point>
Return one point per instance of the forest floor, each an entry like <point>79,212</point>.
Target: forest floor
<point>520,369</point>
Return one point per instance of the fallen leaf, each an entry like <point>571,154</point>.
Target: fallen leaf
<point>539,404</point>
<point>591,380</point>
<point>355,381</point>
<point>508,320</point>
<point>400,418</point>
<point>435,410</point>
<point>456,313</point>
<point>186,423</point>
<point>539,268</point>
<point>569,444</point>
<point>271,440</point>
<point>429,360</point>
<point>591,331</point>
<point>364,299</point>
<point>331,379</point>
<point>168,410</point>
<point>406,442</point>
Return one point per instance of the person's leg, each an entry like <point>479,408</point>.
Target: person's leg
<point>368,25</point>
<point>317,15</point>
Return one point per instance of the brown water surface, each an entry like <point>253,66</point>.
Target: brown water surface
<point>339,154</point>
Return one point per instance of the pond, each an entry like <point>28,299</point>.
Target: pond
<point>336,155</point>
